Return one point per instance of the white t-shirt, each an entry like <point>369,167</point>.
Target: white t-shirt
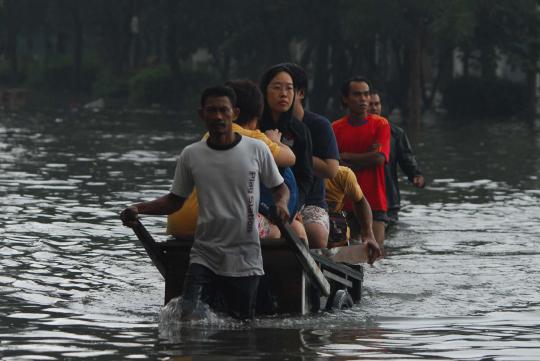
<point>227,181</point>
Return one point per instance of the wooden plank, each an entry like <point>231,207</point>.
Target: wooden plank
<point>150,245</point>
<point>327,263</point>
<point>177,260</point>
<point>299,248</point>
<point>358,253</point>
<point>285,277</point>
<point>306,260</point>
<point>345,282</point>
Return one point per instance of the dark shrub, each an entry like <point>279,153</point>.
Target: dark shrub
<point>157,85</point>
<point>110,85</point>
<point>59,75</point>
<point>483,98</point>
<point>152,85</point>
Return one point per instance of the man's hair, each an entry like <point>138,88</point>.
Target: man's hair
<point>249,99</point>
<point>299,76</point>
<point>218,91</point>
<point>345,87</point>
<point>375,92</point>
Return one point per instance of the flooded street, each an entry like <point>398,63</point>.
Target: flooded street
<point>461,280</point>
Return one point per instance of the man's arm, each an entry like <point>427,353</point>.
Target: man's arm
<point>326,154</point>
<point>325,168</point>
<point>280,194</point>
<point>362,211</point>
<point>166,204</point>
<point>407,161</point>
<point>379,152</point>
<point>285,156</point>
<point>357,161</point>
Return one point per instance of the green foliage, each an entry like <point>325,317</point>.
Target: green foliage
<point>5,72</point>
<point>484,97</point>
<point>110,85</point>
<point>152,85</point>
<point>59,75</point>
<point>401,45</point>
<point>519,32</point>
<point>157,85</point>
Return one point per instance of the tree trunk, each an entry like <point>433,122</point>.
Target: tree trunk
<point>134,48</point>
<point>319,72</point>
<point>400,75</point>
<point>532,94</point>
<point>466,67</point>
<point>77,45</point>
<point>414,91</point>
<point>445,55</point>
<point>172,41</point>
<point>488,61</point>
<point>12,31</point>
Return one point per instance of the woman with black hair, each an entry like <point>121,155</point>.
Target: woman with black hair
<point>278,91</point>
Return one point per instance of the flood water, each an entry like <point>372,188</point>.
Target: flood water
<point>461,280</point>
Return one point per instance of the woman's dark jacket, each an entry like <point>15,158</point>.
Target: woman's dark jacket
<point>296,135</point>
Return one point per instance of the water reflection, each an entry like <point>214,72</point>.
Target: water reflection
<point>460,281</point>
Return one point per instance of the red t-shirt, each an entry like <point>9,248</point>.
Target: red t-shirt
<point>360,138</point>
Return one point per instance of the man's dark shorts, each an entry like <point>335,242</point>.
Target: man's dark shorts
<point>354,226</point>
<point>234,295</point>
<point>392,215</point>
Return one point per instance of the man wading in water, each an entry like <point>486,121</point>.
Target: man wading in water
<point>225,260</point>
<point>364,145</point>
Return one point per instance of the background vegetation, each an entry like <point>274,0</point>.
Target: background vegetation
<point>471,57</point>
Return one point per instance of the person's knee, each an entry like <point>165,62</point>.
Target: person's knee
<point>317,235</point>
<point>299,229</point>
<point>378,231</point>
<point>274,232</point>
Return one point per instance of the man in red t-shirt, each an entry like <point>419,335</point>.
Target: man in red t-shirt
<point>364,146</point>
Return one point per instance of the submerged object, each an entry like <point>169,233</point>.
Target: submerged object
<point>13,98</point>
<point>97,104</point>
<point>286,287</point>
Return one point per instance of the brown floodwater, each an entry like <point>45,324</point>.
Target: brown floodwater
<point>460,280</point>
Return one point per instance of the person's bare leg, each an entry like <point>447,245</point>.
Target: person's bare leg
<point>274,232</point>
<point>317,235</point>
<point>378,232</point>
<point>299,230</point>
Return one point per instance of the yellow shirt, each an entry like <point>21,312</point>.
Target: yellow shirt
<point>344,184</point>
<point>183,222</point>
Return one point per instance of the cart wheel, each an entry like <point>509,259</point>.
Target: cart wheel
<point>342,300</point>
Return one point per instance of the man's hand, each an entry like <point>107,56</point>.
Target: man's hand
<point>282,212</point>
<point>129,216</point>
<point>374,250</point>
<point>345,156</point>
<point>419,181</point>
<point>376,147</point>
<point>344,160</point>
<point>274,135</point>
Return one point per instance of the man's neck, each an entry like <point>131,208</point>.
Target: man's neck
<point>299,112</point>
<point>222,140</point>
<point>359,116</point>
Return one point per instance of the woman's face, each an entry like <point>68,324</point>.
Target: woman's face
<point>280,93</point>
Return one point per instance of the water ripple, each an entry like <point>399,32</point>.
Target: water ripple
<point>459,282</point>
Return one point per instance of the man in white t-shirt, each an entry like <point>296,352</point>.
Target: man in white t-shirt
<point>225,260</point>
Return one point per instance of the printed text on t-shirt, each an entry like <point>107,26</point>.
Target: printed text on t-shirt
<point>251,201</point>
